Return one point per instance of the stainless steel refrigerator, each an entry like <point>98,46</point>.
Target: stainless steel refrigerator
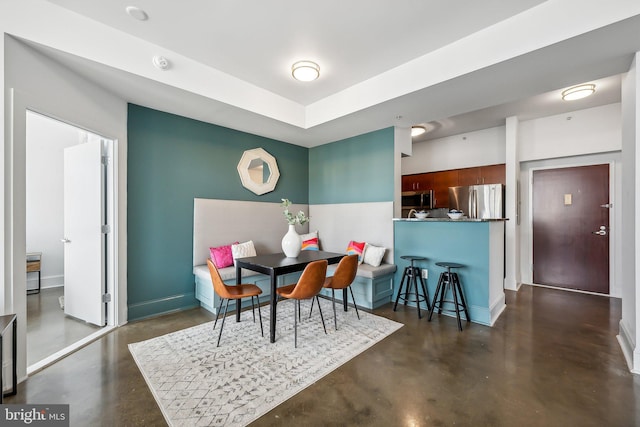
<point>478,201</point>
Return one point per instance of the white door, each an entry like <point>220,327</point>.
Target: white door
<point>84,264</point>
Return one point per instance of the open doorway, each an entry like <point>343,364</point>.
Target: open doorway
<point>67,207</point>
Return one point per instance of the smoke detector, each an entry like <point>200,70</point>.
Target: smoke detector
<point>161,63</point>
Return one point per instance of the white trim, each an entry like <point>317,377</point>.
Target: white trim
<point>578,291</point>
<point>612,216</point>
<point>626,344</point>
<point>38,366</point>
<point>496,308</point>
<point>15,227</point>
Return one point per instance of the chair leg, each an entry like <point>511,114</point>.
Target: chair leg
<point>321,316</point>
<point>311,311</point>
<point>226,306</point>
<point>218,313</point>
<point>354,302</point>
<point>295,326</point>
<point>260,316</point>
<point>299,310</point>
<point>333,299</point>
<point>253,310</point>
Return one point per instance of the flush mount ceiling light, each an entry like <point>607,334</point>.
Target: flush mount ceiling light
<point>305,71</point>
<point>578,92</point>
<point>417,130</point>
<point>137,13</point>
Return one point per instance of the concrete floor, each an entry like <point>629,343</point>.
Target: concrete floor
<point>48,329</point>
<point>552,359</point>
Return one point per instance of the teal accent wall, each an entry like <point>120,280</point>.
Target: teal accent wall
<point>170,161</point>
<point>465,243</point>
<point>354,170</point>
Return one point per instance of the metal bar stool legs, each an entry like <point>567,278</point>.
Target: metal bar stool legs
<point>410,277</point>
<point>449,281</point>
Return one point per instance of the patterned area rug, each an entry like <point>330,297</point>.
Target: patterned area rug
<point>198,384</point>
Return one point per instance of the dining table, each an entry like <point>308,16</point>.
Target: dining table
<point>277,264</point>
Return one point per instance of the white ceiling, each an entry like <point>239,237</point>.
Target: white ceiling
<point>461,66</point>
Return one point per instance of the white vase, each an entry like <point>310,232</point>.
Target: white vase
<point>291,242</point>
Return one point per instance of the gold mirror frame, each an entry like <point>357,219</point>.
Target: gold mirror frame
<point>249,166</point>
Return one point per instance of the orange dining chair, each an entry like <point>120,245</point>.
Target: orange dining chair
<point>308,287</point>
<point>237,292</point>
<point>342,278</point>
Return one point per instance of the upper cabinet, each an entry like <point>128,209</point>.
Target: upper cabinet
<point>440,182</point>
<point>492,174</point>
<point>417,182</point>
<point>469,176</point>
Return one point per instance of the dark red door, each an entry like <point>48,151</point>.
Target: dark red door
<point>571,228</point>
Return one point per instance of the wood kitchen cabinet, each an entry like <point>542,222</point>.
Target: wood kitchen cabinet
<point>441,183</point>
<point>417,182</point>
<point>492,174</point>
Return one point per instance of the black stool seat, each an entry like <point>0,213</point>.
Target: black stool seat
<point>410,276</point>
<point>413,258</point>
<point>449,281</point>
<point>449,264</point>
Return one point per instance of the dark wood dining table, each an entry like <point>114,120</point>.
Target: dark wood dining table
<point>274,265</point>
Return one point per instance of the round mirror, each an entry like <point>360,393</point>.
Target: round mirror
<point>258,171</point>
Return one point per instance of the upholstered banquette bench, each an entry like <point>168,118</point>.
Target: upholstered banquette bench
<point>215,227</point>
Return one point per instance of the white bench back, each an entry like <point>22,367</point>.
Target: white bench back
<point>222,222</point>
<point>340,223</point>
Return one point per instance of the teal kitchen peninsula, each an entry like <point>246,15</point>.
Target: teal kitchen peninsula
<point>478,244</point>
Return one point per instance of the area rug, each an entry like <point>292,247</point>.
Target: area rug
<point>198,384</point>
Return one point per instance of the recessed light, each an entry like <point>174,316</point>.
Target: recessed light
<point>578,92</point>
<point>137,13</point>
<point>305,71</point>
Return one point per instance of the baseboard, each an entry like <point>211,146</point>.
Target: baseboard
<point>497,308</point>
<point>45,282</point>
<point>38,366</point>
<point>627,346</point>
<point>160,306</point>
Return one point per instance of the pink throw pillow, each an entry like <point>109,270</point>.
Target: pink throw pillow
<point>221,256</point>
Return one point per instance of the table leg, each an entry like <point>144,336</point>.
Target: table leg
<point>344,298</point>
<point>274,302</point>
<point>239,300</point>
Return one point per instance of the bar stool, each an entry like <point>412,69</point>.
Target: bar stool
<point>449,280</point>
<point>411,274</point>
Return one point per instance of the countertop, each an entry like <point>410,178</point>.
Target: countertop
<point>465,219</point>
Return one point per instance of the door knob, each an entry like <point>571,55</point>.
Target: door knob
<point>602,231</point>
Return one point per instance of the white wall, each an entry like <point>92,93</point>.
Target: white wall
<point>628,335</point>
<point>46,141</point>
<point>614,159</point>
<point>40,84</point>
<point>483,147</point>
<point>594,130</point>
<point>555,142</point>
